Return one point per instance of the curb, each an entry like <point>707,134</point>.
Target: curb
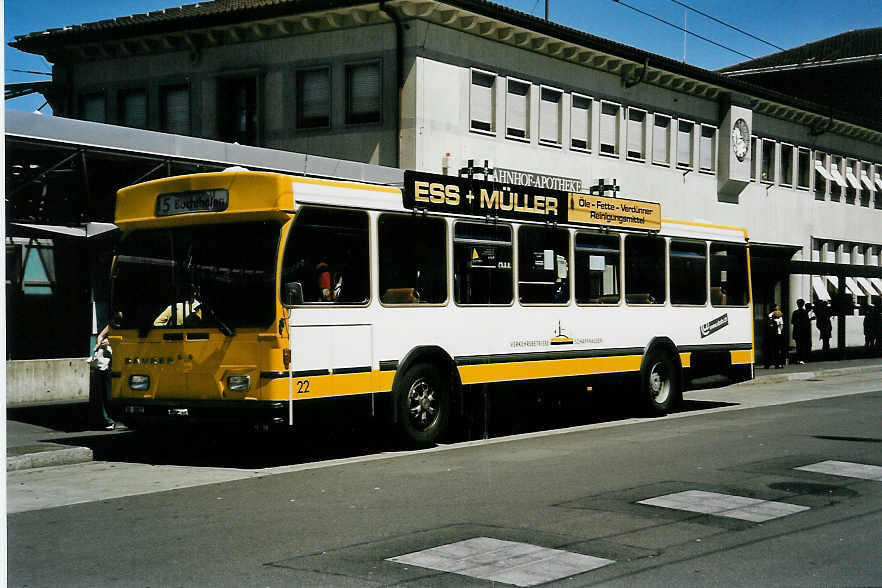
<point>41,455</point>
<point>810,375</point>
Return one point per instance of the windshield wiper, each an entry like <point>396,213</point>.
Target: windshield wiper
<point>224,327</point>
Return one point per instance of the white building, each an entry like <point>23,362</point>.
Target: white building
<point>432,84</point>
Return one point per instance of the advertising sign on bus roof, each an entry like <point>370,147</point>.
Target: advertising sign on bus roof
<point>482,198</point>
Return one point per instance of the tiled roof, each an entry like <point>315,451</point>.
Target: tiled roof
<point>208,13</point>
<point>851,44</point>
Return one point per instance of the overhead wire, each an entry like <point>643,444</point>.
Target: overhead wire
<point>725,24</point>
<point>679,28</point>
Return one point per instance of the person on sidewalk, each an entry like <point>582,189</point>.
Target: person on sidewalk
<point>774,348</point>
<point>780,338</point>
<point>824,324</point>
<point>100,383</point>
<point>800,323</point>
<point>871,329</point>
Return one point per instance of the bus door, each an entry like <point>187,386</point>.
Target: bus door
<point>331,360</point>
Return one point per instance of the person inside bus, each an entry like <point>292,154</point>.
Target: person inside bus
<point>324,282</point>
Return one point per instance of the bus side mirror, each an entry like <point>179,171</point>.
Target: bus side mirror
<point>293,294</point>
<point>116,321</point>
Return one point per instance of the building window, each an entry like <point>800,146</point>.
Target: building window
<point>685,129</point>
<point>543,266</point>
<point>838,184</point>
<point>580,123</point>
<point>38,273</point>
<point>767,171</point>
<point>803,168</point>
<point>822,176</point>
<point>92,108</point>
<point>482,102</point>
<point>517,110</point>
<point>175,109</point>
<point>753,158</point>
<point>413,260</point>
<point>237,110</point>
<point>609,128</point>
<point>688,263</point>
<point>482,267</point>
<point>661,139</point>
<point>363,93</point>
<point>314,98</point>
<point>786,164</point>
<point>644,270</point>
<point>636,134</point>
<point>549,116</point>
<point>866,184</point>
<point>877,180</point>
<point>133,108</point>
<point>853,185</point>
<point>597,269</point>
<point>707,148</point>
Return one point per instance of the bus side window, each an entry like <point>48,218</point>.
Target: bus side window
<point>327,254</point>
<point>688,263</point>
<point>728,274</point>
<point>597,269</point>
<point>413,260</point>
<point>482,264</point>
<point>543,265</point>
<point>644,270</point>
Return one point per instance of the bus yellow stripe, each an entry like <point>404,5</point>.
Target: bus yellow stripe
<point>329,386</point>
<point>552,368</point>
<point>741,230</point>
<point>742,356</point>
<point>339,184</point>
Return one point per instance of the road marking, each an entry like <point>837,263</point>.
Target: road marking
<point>509,562</point>
<point>845,469</point>
<point>725,505</point>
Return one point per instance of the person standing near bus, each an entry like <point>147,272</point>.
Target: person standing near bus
<point>800,322</point>
<point>100,383</point>
<point>775,337</point>
<point>824,324</point>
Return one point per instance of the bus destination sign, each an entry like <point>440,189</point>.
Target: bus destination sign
<point>193,201</point>
<point>500,200</point>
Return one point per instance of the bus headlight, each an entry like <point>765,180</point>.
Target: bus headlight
<point>238,383</point>
<point>139,382</point>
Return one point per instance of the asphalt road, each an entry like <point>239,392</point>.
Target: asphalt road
<point>323,513</point>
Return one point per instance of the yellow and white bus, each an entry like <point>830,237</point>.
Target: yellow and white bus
<point>247,296</point>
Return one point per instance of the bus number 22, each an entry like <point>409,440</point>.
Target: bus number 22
<point>303,386</point>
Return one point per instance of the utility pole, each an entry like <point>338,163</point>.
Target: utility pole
<point>546,9</point>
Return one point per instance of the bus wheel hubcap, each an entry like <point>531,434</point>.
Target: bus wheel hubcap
<point>422,403</point>
<point>659,385</point>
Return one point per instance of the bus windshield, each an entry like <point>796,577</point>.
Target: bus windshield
<point>218,275</point>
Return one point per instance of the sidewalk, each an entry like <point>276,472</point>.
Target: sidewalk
<point>42,436</point>
<point>814,369</point>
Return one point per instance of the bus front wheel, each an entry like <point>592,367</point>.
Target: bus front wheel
<point>423,405</point>
<point>660,387</point>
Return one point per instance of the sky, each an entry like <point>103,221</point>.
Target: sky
<point>784,23</point>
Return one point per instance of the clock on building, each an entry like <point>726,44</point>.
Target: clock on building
<point>740,139</point>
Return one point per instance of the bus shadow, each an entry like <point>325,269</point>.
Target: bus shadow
<point>499,413</point>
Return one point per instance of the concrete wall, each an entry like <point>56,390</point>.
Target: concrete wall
<point>41,381</point>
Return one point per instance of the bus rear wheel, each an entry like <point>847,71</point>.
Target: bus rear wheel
<point>660,386</point>
<point>423,405</point>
